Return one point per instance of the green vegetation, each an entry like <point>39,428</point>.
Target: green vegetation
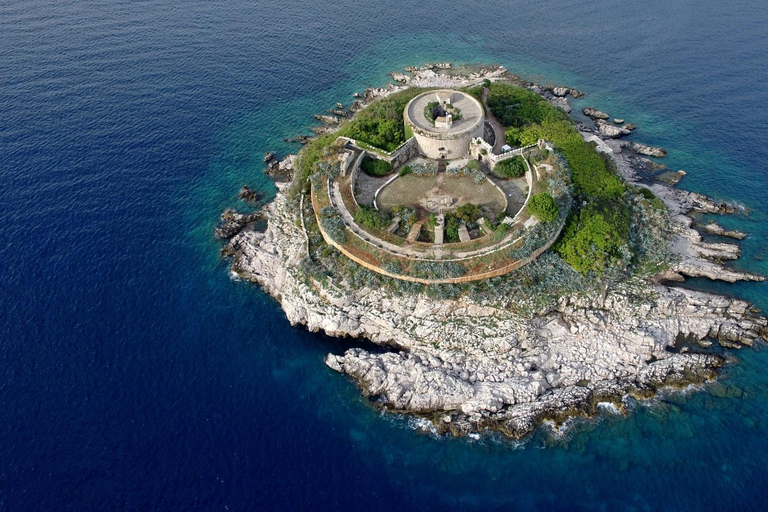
<point>544,207</point>
<point>467,213</point>
<point>371,218</point>
<point>429,111</point>
<point>405,170</point>
<point>512,168</point>
<point>596,237</point>
<point>381,123</point>
<point>333,225</point>
<point>375,167</point>
<point>515,106</point>
<point>529,118</point>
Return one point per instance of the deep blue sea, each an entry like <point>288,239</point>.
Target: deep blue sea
<point>136,375</point>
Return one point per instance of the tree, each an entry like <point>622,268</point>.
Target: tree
<point>512,168</point>
<point>544,207</point>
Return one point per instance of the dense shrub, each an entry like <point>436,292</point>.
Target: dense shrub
<point>515,106</point>
<point>405,170</point>
<point>435,270</point>
<point>593,239</point>
<point>375,167</point>
<point>392,266</point>
<point>381,123</point>
<point>544,207</point>
<point>333,225</point>
<point>370,218</point>
<point>512,168</point>
<point>467,213</point>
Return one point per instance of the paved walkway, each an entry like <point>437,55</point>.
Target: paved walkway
<point>501,138</point>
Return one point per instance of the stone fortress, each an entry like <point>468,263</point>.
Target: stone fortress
<point>446,163</point>
<point>457,119</point>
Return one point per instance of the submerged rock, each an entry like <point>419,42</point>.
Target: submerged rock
<point>249,195</point>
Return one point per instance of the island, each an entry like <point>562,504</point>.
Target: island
<point>511,265</point>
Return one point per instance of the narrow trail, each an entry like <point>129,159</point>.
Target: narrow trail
<point>497,127</point>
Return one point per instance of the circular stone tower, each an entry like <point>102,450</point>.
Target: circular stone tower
<point>444,122</point>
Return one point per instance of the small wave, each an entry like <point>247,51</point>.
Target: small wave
<point>610,407</point>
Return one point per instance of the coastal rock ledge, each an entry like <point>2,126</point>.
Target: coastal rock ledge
<point>469,367</point>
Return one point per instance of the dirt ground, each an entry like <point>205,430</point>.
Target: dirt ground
<point>412,190</point>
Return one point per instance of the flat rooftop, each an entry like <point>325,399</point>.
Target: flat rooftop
<point>471,111</point>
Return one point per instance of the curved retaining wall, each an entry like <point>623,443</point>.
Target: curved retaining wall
<point>453,280</point>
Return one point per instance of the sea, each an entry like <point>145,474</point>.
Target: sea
<point>137,374</point>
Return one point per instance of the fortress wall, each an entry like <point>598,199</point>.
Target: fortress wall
<point>454,148</point>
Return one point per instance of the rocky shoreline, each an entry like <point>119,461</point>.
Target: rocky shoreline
<point>469,365</point>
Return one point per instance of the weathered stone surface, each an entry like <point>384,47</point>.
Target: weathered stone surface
<point>401,77</point>
<point>594,113</point>
<point>647,150</point>
<point>560,91</point>
<point>713,228</point>
<point>561,103</point>
<point>609,130</point>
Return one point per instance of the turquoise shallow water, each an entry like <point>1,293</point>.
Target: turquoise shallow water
<point>137,375</point>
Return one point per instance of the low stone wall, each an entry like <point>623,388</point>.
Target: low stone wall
<point>478,145</point>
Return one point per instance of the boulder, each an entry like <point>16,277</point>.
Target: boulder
<point>594,113</point>
<point>401,78</point>
<point>606,129</point>
<point>560,91</point>
<point>647,150</point>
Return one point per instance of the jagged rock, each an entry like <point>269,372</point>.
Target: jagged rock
<point>269,156</point>
<point>594,113</point>
<point>232,222</point>
<point>281,171</point>
<point>248,195</point>
<point>673,178</point>
<point>630,126</point>
<point>401,77</point>
<point>561,103</point>
<point>618,121</point>
<point>647,150</point>
<point>606,129</point>
<point>576,94</point>
<point>339,106</point>
<point>560,91</point>
<point>327,119</point>
<point>713,228</point>
<point>340,113</point>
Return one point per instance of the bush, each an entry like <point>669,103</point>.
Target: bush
<point>467,213</point>
<point>593,239</point>
<point>372,219</point>
<point>544,207</point>
<point>405,170</point>
<point>512,168</point>
<point>375,167</point>
<point>381,123</point>
<point>333,225</point>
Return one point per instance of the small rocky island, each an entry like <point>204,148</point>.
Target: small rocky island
<point>513,265</point>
